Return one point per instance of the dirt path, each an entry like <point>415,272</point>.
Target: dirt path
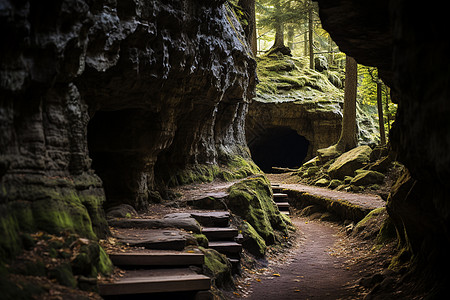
<point>312,271</point>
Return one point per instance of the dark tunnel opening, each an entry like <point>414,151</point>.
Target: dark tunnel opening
<point>118,143</point>
<point>279,147</point>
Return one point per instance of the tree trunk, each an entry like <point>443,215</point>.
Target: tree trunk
<point>290,37</point>
<point>250,31</point>
<point>311,40</point>
<point>380,114</point>
<point>348,139</point>
<point>279,35</point>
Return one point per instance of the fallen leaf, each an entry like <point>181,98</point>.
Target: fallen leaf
<point>257,279</point>
<point>296,291</point>
<point>276,274</point>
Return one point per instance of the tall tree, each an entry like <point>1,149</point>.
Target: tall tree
<point>348,138</point>
<point>380,113</point>
<point>276,14</point>
<point>310,35</point>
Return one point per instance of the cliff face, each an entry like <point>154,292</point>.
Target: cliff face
<point>413,60</point>
<point>95,94</point>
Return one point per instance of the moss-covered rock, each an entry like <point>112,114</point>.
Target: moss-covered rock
<point>202,240</point>
<point>334,183</point>
<point>63,275</point>
<point>347,163</point>
<point>218,268</point>
<point>252,242</point>
<point>322,182</point>
<point>251,199</point>
<point>367,177</point>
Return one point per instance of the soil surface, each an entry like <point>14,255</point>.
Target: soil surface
<point>314,269</point>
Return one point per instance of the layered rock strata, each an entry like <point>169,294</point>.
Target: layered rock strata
<point>413,60</point>
<point>102,99</point>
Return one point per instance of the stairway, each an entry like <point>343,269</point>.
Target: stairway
<point>157,274</point>
<point>221,236</point>
<point>281,199</point>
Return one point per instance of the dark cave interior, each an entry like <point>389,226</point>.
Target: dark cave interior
<point>279,147</point>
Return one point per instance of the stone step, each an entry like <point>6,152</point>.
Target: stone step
<point>156,258</point>
<point>187,223</point>
<point>231,249</point>
<point>285,212</point>
<point>283,204</point>
<point>157,239</point>
<point>279,197</point>
<point>220,233</point>
<point>235,265</point>
<point>212,219</point>
<point>155,281</point>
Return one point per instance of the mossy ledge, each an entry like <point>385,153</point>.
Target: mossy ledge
<point>342,209</point>
<point>234,167</point>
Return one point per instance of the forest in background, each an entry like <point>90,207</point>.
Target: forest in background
<point>293,27</point>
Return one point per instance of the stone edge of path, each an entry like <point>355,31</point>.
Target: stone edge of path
<point>341,204</point>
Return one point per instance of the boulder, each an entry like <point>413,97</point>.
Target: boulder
<point>334,183</point>
<point>347,163</point>
<point>121,211</point>
<point>367,177</point>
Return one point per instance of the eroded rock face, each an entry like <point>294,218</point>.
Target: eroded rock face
<point>320,124</point>
<point>94,94</point>
<point>411,58</point>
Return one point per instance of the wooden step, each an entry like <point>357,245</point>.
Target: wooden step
<point>280,195</point>
<point>158,239</point>
<point>155,281</point>
<point>285,212</point>
<point>157,258</point>
<point>213,219</point>
<point>226,247</point>
<point>220,233</point>
<point>283,204</point>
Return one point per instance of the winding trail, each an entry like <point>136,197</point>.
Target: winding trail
<point>312,272</point>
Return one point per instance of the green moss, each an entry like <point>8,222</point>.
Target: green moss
<point>217,267</point>
<point>63,275</point>
<point>253,242</point>
<point>251,199</point>
<point>196,173</point>
<point>202,240</point>
<point>279,73</point>
<point>63,214</point>
<point>10,243</point>
<point>374,213</point>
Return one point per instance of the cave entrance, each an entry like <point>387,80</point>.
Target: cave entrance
<point>279,147</point>
<point>119,144</point>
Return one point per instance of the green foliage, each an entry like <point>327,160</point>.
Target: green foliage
<point>367,92</point>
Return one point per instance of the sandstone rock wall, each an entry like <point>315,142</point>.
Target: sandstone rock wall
<point>413,60</point>
<point>321,127</point>
<point>94,93</point>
